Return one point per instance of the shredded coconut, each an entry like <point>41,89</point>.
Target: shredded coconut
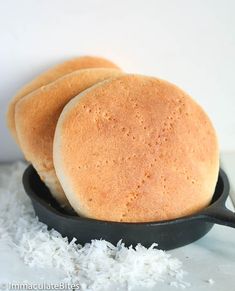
<point>92,266</point>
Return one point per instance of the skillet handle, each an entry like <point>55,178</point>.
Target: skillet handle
<point>221,215</point>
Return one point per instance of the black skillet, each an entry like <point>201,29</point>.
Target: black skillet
<point>168,234</point>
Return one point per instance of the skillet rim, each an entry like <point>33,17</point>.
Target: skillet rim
<point>219,204</point>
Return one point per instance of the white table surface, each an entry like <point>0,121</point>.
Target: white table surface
<point>212,257</point>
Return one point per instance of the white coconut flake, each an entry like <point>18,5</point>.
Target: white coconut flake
<point>92,266</point>
<point>211,281</point>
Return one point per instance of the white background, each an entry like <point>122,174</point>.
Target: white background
<point>190,43</point>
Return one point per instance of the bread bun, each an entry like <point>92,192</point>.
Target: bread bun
<point>50,76</point>
<point>136,149</point>
<point>36,116</point>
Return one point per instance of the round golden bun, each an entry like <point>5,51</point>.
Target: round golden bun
<point>36,116</point>
<point>136,149</point>
<point>50,76</point>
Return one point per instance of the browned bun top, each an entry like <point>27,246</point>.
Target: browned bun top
<point>136,149</point>
<point>51,75</point>
<point>36,116</point>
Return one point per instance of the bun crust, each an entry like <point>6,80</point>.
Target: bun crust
<point>136,149</point>
<point>36,116</point>
<point>51,75</point>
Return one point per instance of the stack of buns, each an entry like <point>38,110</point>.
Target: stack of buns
<point>115,146</point>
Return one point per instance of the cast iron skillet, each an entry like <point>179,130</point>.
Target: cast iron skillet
<point>168,234</point>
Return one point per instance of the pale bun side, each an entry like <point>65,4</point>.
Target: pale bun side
<point>36,116</point>
<point>51,75</point>
<point>136,149</point>
<point>58,162</point>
